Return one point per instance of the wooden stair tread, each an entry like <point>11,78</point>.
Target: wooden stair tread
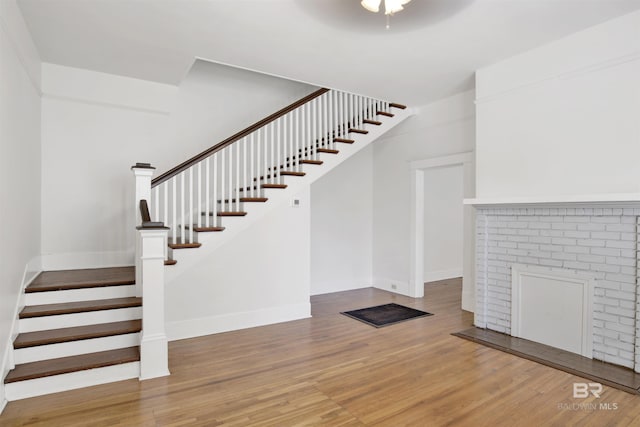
<point>396,105</point>
<point>170,262</point>
<point>360,131</point>
<point>245,200</point>
<point>264,186</point>
<point>327,150</point>
<point>372,122</point>
<point>77,279</point>
<point>292,173</point>
<point>232,213</point>
<point>343,140</point>
<point>79,307</point>
<point>311,162</point>
<point>178,244</point>
<point>54,336</point>
<point>205,229</point>
<point>384,113</point>
<point>64,365</point>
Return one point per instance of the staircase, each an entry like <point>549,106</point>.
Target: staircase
<point>78,327</point>
<point>83,327</point>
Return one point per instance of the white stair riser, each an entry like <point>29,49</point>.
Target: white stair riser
<point>79,319</point>
<point>71,381</point>
<point>90,294</point>
<point>72,348</point>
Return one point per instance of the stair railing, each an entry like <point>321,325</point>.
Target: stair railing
<point>216,181</point>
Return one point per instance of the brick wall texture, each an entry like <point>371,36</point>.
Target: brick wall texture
<point>604,242</point>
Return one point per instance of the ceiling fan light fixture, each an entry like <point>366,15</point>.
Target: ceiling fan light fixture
<point>390,6</point>
<point>371,5</point>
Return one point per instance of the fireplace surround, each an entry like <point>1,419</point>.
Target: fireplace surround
<point>594,240</point>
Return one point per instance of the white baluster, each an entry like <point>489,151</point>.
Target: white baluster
<point>199,201</point>
<point>278,146</point>
<point>309,145</point>
<point>249,190</point>
<point>325,122</point>
<point>265,157</point>
<point>230,176</point>
<point>258,161</point>
<point>236,185</point>
<point>182,206</point>
<point>165,203</point>
<point>174,205</point>
<point>274,161</point>
<point>223,154</point>
<point>317,125</point>
<point>190,205</point>
<point>214,205</point>
<point>156,204</point>
<point>245,172</point>
<point>297,141</point>
<point>330,124</point>
<point>206,193</point>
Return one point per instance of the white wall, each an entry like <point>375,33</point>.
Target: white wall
<point>261,276</point>
<point>342,226</point>
<point>443,224</point>
<point>562,119</point>
<point>19,168</point>
<point>95,126</point>
<point>439,129</point>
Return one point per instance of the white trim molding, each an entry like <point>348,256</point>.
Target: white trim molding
<point>416,274</point>
<point>190,328</point>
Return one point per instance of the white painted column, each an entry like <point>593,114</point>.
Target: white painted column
<point>154,352</point>
<point>142,173</point>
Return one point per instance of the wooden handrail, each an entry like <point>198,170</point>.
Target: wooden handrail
<point>219,146</point>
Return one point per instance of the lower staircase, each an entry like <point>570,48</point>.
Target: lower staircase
<point>78,328</point>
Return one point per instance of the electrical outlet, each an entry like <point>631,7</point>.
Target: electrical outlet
<point>394,286</point>
<point>295,203</point>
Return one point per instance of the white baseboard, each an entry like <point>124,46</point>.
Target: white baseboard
<point>392,285</point>
<point>182,329</point>
<point>339,286</point>
<point>3,399</point>
<point>434,276</point>
<point>73,260</point>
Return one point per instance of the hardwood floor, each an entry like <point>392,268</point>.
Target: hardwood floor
<point>331,370</point>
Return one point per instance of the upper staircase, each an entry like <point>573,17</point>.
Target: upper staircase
<point>84,327</point>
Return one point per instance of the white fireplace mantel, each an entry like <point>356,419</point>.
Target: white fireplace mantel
<point>617,200</point>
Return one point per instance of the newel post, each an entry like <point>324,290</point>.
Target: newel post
<point>154,352</point>
<point>151,243</point>
<point>142,173</point>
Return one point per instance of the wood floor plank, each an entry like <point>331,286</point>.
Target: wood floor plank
<point>87,278</point>
<point>332,370</point>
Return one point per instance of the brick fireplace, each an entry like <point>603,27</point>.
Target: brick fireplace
<point>599,242</point>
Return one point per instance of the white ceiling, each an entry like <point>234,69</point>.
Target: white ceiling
<point>430,51</point>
